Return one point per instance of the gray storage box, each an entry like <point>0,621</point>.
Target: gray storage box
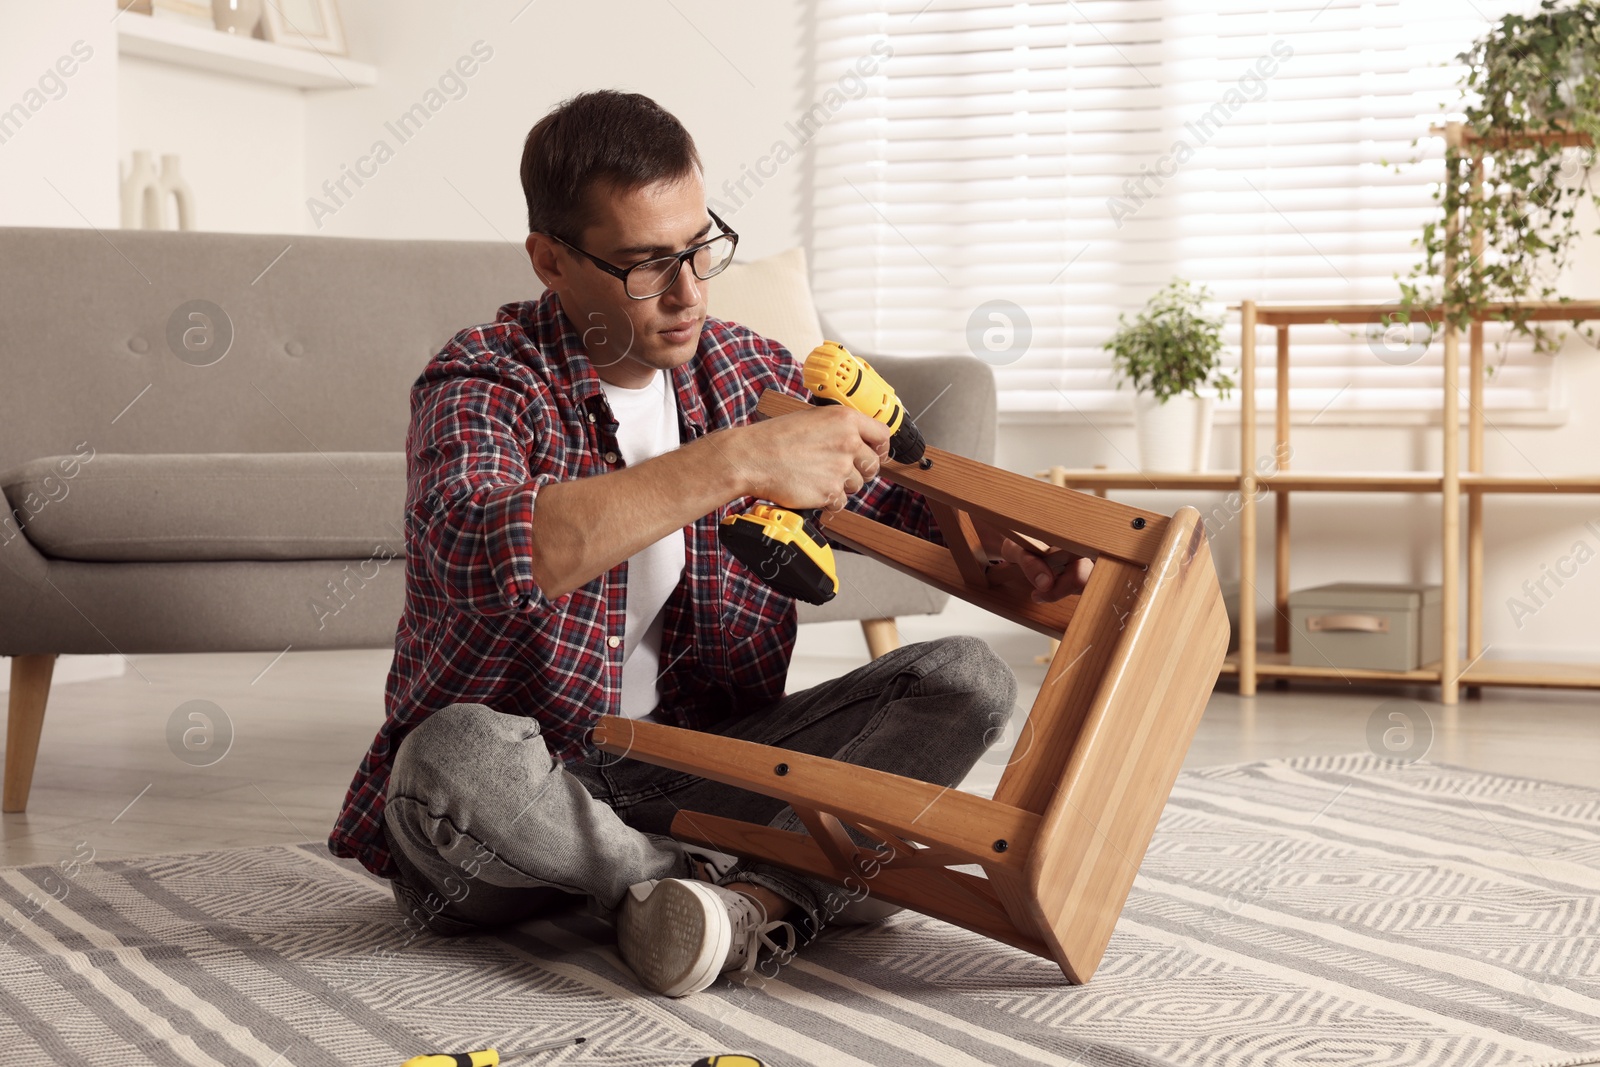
<point>1364,626</point>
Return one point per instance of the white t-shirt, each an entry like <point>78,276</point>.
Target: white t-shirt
<point>647,426</point>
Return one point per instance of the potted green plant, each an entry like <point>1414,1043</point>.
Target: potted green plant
<point>1170,352</point>
<point>1527,79</point>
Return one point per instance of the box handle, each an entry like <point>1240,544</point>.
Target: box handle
<point>1367,624</point>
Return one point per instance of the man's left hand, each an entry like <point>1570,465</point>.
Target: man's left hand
<point>1053,574</point>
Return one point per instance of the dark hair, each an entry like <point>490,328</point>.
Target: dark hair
<point>625,139</point>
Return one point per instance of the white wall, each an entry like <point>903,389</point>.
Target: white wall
<point>240,144</point>
<point>254,153</point>
<point>58,78</point>
<point>730,71</point>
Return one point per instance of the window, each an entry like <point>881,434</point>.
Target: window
<point>1068,159</point>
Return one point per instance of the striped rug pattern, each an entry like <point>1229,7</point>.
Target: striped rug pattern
<point>1331,910</point>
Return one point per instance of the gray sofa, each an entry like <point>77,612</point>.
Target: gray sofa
<point>235,481</point>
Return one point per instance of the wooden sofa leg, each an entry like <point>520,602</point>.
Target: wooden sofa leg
<point>30,688</point>
<point>882,636</point>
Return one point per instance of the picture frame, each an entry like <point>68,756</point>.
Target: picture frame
<point>310,24</point>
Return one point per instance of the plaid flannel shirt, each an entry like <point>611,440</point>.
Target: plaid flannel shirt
<point>502,411</point>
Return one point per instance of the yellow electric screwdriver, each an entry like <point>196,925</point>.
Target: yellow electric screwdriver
<point>484,1057</point>
<point>786,547</point>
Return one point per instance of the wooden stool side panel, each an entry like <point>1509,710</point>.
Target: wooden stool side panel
<point>1072,683</point>
<point>1133,743</point>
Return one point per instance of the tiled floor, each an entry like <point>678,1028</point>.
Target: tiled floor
<point>107,777</point>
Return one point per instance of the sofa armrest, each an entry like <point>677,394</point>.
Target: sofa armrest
<point>32,621</point>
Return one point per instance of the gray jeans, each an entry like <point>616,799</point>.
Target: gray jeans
<point>489,829</point>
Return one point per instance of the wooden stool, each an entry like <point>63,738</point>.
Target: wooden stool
<point>1062,839</point>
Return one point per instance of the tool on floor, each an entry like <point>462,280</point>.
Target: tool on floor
<point>786,547</point>
<point>486,1057</point>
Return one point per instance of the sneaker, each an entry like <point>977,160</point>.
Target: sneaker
<point>678,934</point>
<point>710,865</point>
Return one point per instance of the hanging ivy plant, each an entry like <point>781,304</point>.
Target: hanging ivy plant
<point>1528,75</point>
<point>1172,346</point>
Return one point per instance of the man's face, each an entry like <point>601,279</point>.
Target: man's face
<point>629,340</point>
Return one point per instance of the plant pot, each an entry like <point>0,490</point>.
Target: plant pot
<point>1175,436</point>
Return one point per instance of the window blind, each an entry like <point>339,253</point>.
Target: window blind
<point>1006,178</point>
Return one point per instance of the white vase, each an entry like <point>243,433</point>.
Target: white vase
<point>174,188</point>
<point>142,206</point>
<point>238,17</point>
<point>1175,436</point>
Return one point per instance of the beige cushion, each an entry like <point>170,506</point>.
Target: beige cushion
<point>223,506</point>
<point>771,296</point>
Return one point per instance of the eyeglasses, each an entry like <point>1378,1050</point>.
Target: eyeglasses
<point>655,276</point>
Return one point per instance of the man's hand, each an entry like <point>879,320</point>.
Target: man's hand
<point>1053,572</point>
<point>814,458</point>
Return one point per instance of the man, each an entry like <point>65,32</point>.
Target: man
<point>568,465</point>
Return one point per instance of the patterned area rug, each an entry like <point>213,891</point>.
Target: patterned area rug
<point>1338,910</point>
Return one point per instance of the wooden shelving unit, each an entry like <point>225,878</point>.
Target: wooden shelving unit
<point>1099,479</point>
<point>1451,483</point>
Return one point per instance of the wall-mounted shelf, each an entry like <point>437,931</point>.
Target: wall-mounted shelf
<point>239,57</point>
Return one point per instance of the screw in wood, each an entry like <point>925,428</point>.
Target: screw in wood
<point>1000,845</point>
<point>1138,524</point>
<point>781,769</point>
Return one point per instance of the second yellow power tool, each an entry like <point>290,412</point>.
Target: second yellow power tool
<point>484,1057</point>
<point>786,547</point>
